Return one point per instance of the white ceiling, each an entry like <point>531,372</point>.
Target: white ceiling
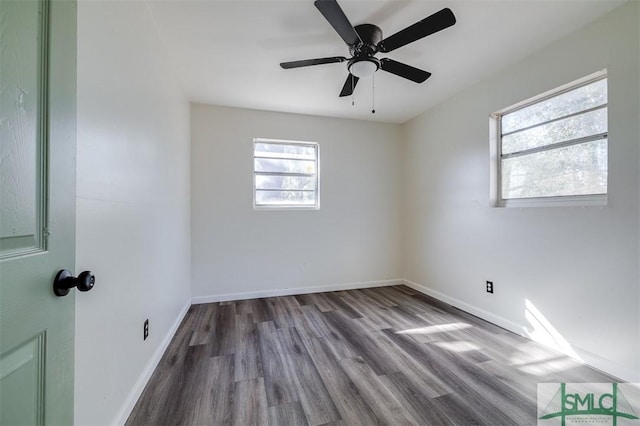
<point>228,52</point>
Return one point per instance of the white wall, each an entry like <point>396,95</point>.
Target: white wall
<point>133,206</point>
<point>352,239</point>
<point>577,265</point>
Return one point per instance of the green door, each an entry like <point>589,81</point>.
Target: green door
<point>37,209</point>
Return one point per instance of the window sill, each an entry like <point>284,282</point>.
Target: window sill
<point>285,208</point>
<point>567,201</point>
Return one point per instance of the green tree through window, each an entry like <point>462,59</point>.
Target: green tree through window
<point>555,146</point>
<point>285,173</point>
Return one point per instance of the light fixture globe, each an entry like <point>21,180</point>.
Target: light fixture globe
<point>363,68</point>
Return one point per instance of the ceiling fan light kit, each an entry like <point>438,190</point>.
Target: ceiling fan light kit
<point>363,68</point>
<point>366,40</point>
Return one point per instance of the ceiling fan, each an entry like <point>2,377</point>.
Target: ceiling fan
<point>365,41</point>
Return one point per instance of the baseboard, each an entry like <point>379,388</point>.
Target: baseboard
<point>596,361</point>
<point>135,393</point>
<point>485,315</point>
<point>293,291</point>
<point>599,363</point>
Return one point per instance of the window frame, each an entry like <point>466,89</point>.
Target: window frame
<point>496,156</point>
<point>281,207</point>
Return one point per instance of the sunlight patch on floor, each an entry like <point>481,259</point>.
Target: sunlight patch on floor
<point>544,364</point>
<point>441,328</point>
<point>458,346</point>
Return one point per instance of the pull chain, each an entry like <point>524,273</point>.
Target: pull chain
<point>353,96</point>
<point>373,93</point>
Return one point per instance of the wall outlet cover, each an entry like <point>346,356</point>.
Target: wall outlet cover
<point>145,332</point>
<point>489,286</point>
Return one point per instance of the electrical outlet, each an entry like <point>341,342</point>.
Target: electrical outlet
<point>489,286</point>
<point>145,333</point>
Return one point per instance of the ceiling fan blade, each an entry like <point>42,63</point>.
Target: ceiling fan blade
<point>404,70</point>
<point>308,62</point>
<point>429,25</point>
<point>349,85</point>
<point>332,12</point>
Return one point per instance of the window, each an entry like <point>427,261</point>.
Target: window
<point>554,147</point>
<point>285,174</point>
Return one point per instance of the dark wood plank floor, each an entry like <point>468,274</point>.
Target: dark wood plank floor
<point>388,355</point>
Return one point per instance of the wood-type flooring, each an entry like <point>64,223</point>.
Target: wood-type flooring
<point>387,355</point>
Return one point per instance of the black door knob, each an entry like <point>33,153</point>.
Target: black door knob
<point>65,281</point>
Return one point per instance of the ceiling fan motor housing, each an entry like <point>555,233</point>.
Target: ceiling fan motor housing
<point>370,35</point>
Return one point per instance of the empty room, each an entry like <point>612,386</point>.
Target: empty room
<point>299,212</point>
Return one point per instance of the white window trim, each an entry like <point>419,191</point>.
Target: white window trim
<point>273,207</point>
<point>495,156</point>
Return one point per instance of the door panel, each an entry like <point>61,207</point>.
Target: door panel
<point>37,209</point>
<point>22,377</point>
<point>22,72</point>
